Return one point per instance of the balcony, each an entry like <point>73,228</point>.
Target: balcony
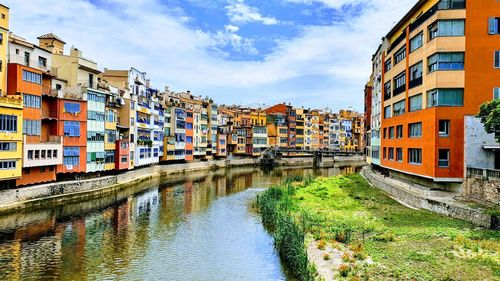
<point>46,153</point>
<point>49,114</point>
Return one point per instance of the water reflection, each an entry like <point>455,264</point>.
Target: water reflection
<point>190,227</point>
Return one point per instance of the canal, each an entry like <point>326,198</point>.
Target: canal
<point>197,226</point>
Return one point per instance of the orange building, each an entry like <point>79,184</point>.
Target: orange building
<point>438,67</point>
<point>29,76</point>
<point>72,120</point>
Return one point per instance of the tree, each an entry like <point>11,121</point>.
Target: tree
<point>490,117</point>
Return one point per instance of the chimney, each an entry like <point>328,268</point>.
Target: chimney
<point>74,52</point>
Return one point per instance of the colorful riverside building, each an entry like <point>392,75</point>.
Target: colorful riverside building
<point>282,125</point>
<point>441,61</point>
<point>29,75</point>
<point>11,116</point>
<point>124,80</point>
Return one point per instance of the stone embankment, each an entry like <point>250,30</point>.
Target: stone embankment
<point>440,202</point>
<point>25,197</point>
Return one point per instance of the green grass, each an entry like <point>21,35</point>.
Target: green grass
<point>404,243</point>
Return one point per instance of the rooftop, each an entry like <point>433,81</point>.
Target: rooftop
<point>50,36</point>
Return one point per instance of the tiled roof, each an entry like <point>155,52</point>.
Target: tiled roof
<point>50,36</point>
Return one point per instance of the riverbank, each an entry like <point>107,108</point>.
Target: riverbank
<point>71,191</point>
<point>352,231</point>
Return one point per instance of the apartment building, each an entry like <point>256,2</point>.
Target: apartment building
<point>300,128</point>
<point>440,62</point>
<point>367,119</point>
<point>4,47</point>
<point>29,76</point>
<point>125,104</point>
<point>376,106</point>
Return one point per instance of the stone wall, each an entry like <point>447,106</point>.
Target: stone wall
<point>419,199</point>
<point>482,190</point>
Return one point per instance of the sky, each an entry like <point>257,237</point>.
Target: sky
<point>311,53</point>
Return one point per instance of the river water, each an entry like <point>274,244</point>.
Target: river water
<point>197,226</point>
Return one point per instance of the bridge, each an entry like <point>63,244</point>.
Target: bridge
<point>275,153</point>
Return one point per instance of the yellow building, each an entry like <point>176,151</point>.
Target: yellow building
<point>4,43</point>
<point>11,152</point>
<point>11,116</point>
<point>300,126</point>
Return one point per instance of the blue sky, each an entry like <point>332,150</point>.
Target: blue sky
<point>312,53</point>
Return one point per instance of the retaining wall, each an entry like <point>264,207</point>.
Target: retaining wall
<point>422,201</point>
<point>482,190</point>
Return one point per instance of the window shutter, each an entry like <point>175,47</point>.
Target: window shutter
<point>492,26</point>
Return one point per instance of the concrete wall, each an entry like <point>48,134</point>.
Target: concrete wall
<point>475,138</point>
<point>419,199</point>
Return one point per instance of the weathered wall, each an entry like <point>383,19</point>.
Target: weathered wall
<point>419,199</point>
<point>482,190</point>
<point>475,138</point>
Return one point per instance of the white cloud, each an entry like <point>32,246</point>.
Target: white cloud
<point>239,12</point>
<point>324,66</point>
<point>328,3</point>
<point>229,38</point>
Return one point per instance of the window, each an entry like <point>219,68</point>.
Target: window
<point>8,123</point>
<point>8,165</point>
<point>71,129</point>
<point>91,80</point>
<point>95,136</point>
<point>447,28</point>
<point>444,128</point>
<point>416,75</point>
<point>54,154</point>
<point>387,112</point>
<point>384,152</point>
<point>446,61</point>
<point>110,116</point>
<point>71,107</point>
<point>26,58</point>
<point>388,65</point>
<point>496,93</point>
<point>109,157</point>
<point>124,159</point>
<point>400,55</point>
<point>415,130</point>
<point>32,101</point>
<point>399,108</point>
<point>71,156</point>
<point>497,59</point>
<point>97,116</point>
<point>387,90</point>
<point>42,62</point>
<point>32,77</point>
<point>399,154</point>
<point>399,131</point>
<point>451,4</point>
<point>385,133</point>
<point>30,154</point>
<point>444,158</point>
<point>8,146</point>
<point>493,26</point>
<point>416,103</point>
<point>111,134</point>
<point>445,97</point>
<point>43,154</point>
<point>391,132</point>
<point>416,42</point>
<point>37,154</point>
<point>400,83</point>
<point>189,139</point>
<point>1,37</point>
<point>391,153</point>
<point>415,156</point>
<point>32,127</point>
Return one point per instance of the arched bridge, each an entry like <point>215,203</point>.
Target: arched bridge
<point>318,155</point>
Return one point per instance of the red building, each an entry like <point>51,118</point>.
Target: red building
<point>122,153</point>
<point>189,135</point>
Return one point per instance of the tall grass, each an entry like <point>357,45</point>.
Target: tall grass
<point>287,230</point>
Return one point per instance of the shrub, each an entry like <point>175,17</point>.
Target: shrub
<point>385,237</point>
<point>346,257</point>
<point>344,270</point>
<point>321,244</point>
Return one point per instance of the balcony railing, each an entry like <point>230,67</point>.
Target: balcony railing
<point>483,173</point>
